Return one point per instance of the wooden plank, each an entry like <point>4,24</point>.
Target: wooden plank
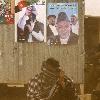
<point>12,6</point>
<point>81,50</point>
<point>30,60</point>
<point>1,54</point>
<point>8,53</point>
<point>41,56</point>
<point>85,97</point>
<point>99,30</point>
<point>20,61</point>
<point>16,62</point>
<point>69,54</point>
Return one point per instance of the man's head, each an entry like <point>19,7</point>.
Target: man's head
<point>51,19</point>
<point>74,19</point>
<point>51,64</point>
<point>32,17</point>
<point>30,10</point>
<point>63,25</point>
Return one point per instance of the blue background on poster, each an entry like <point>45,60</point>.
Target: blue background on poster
<point>69,8</point>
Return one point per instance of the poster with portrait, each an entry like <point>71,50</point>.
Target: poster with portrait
<point>30,21</point>
<point>62,23</point>
<point>6,11</point>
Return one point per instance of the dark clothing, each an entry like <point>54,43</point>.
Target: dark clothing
<point>24,35</point>
<point>37,27</point>
<point>73,38</point>
<point>46,86</point>
<point>21,36</point>
<point>64,93</point>
<point>50,34</point>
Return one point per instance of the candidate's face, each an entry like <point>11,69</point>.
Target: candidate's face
<point>29,11</point>
<point>51,21</point>
<point>63,28</point>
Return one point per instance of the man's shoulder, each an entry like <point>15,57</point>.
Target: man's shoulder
<point>35,78</point>
<point>73,38</point>
<point>38,22</point>
<point>74,35</point>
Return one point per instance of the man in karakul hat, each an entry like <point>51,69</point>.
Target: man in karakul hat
<point>64,30</point>
<point>28,11</point>
<point>51,83</point>
<point>32,28</point>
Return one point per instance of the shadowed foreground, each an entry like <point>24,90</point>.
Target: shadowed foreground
<point>12,93</point>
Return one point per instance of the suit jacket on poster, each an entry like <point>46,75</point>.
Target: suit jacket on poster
<point>37,27</point>
<point>73,38</point>
<point>21,36</point>
<point>50,34</point>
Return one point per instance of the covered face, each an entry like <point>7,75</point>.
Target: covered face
<point>51,64</point>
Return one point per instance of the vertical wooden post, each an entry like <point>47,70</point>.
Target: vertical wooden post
<point>81,96</point>
<point>99,30</point>
<point>88,97</point>
<point>82,89</point>
<point>12,6</point>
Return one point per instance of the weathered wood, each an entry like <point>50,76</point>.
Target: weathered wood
<point>1,54</point>
<point>85,97</point>
<point>99,30</point>
<point>81,51</point>
<point>12,6</point>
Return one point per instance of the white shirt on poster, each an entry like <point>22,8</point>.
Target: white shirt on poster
<point>39,36</point>
<point>53,29</point>
<point>75,28</point>
<point>21,21</point>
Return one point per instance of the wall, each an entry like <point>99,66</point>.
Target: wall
<point>20,61</point>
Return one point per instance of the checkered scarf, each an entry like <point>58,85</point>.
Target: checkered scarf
<point>40,86</point>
